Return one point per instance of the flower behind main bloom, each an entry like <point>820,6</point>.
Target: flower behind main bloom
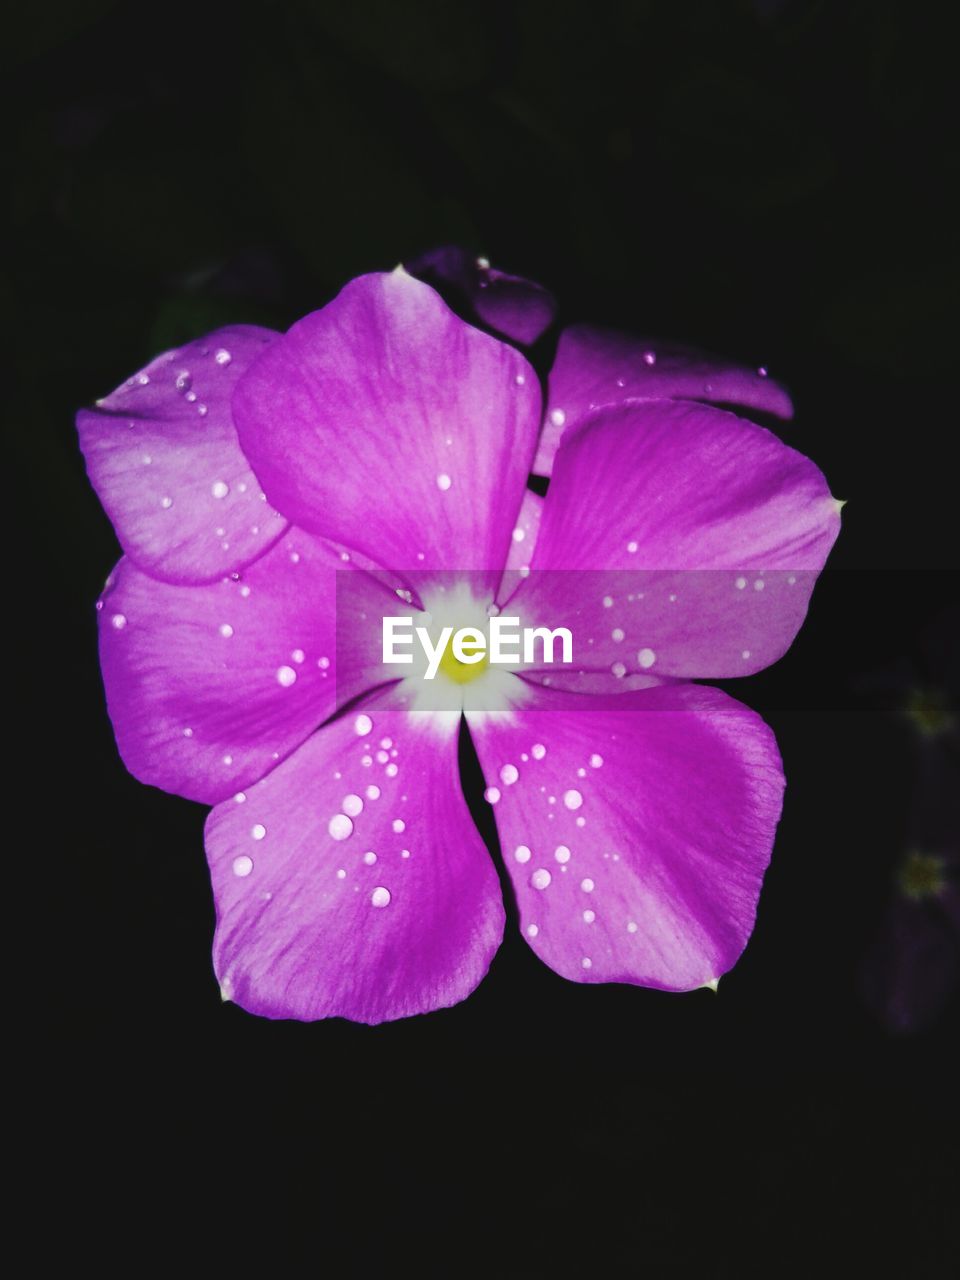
<point>384,435</point>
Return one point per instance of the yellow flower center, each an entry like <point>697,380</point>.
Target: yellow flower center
<point>462,672</point>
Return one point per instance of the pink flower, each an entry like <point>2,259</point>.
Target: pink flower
<point>386,438</point>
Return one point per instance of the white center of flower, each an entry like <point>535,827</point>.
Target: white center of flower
<point>458,686</point>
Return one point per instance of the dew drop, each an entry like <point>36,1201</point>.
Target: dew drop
<point>380,897</point>
<point>362,726</point>
<point>586,962</point>
<point>240,797</point>
<point>351,805</point>
<point>596,761</point>
<point>166,503</point>
<point>398,825</point>
<point>182,382</point>
<point>562,853</point>
<point>297,656</point>
<point>223,356</point>
<point>219,488</point>
<point>587,885</point>
<point>522,853</point>
<point>509,774</point>
<point>340,827</point>
<point>619,670</point>
<point>541,878</point>
<point>740,583</point>
<point>118,621</point>
<point>226,630</point>
<point>242,866</point>
<point>632,926</point>
<point>443,482</point>
<point>258,831</point>
<point>373,792</point>
<point>616,634</point>
<point>589,916</point>
<point>369,857</point>
<point>538,751</point>
<point>286,676</point>
<point>491,795</point>
<point>646,658</point>
<point>532,930</point>
<point>632,547</point>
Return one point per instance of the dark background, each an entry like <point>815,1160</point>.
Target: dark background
<point>772,181</point>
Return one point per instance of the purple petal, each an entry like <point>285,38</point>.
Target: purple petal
<point>638,830</point>
<point>524,536</point>
<point>350,888</point>
<point>595,366</point>
<point>385,423</point>
<point>697,537</point>
<point>510,305</point>
<point>163,456</point>
<point>209,686</point>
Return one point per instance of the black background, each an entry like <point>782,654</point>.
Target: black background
<point>771,181</point>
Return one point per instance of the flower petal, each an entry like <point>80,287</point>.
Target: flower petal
<point>638,831</point>
<point>209,686</point>
<point>348,888</point>
<point>163,456</point>
<point>385,423</point>
<point>517,308</point>
<point>602,366</point>
<point>696,538</point>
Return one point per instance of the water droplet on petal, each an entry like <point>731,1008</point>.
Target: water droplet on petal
<point>538,751</point>
<point>586,962</point>
<point>340,827</point>
<point>522,853</point>
<point>557,417</point>
<point>286,676</point>
<point>399,825</point>
<point>226,630</point>
<point>219,488</point>
<point>589,916</point>
<point>369,857</point>
<point>223,356</point>
<point>242,866</point>
<point>380,897</point>
<point>373,792</point>
<point>541,878</point>
<point>258,831</point>
<point>509,774</point>
<point>491,795</point>
<point>118,621</point>
<point>351,805</point>
<point>596,761</point>
<point>587,885</point>
<point>443,482</point>
<point>646,658</point>
<point>562,853</point>
<point>532,930</point>
<point>362,726</point>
